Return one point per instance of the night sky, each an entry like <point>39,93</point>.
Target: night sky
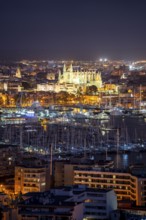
<point>73,29</point>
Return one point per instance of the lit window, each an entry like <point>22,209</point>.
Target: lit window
<point>43,184</point>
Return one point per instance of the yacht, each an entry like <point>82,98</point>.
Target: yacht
<point>116,112</point>
<point>102,116</point>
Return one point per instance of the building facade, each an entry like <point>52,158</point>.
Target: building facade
<point>73,81</point>
<point>80,77</point>
<point>31,179</point>
<point>126,185</point>
<point>65,203</point>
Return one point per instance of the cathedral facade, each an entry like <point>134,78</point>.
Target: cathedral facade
<point>80,78</point>
<point>72,81</point>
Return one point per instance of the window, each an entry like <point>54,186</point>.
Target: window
<point>43,184</point>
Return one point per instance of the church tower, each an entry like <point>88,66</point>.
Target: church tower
<point>64,68</point>
<point>98,80</point>
<point>18,73</point>
<point>70,68</point>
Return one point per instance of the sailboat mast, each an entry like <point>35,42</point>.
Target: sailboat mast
<point>117,147</point>
<point>51,160</point>
<point>21,138</point>
<point>134,99</point>
<point>140,98</point>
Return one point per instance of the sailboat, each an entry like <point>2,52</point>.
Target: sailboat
<point>137,113</point>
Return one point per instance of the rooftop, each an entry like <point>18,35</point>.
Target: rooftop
<point>59,196</point>
<point>139,172</point>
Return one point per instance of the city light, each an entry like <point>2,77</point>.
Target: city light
<point>103,59</point>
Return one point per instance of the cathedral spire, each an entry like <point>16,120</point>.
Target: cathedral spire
<point>18,73</point>
<point>64,68</point>
<point>70,68</point>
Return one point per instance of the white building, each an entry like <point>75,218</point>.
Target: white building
<point>71,202</point>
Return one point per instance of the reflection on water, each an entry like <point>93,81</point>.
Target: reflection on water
<point>119,161</point>
<point>125,160</point>
<point>139,157</point>
<point>135,128</point>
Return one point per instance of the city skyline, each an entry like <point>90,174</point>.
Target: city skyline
<point>85,30</point>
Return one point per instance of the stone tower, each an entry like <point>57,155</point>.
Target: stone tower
<point>18,73</point>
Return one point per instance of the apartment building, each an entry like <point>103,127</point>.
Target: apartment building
<point>127,186</point>
<point>32,177</point>
<point>65,203</point>
<point>64,169</point>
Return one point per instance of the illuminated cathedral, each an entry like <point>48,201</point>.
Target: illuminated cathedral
<point>72,80</point>
<point>83,77</point>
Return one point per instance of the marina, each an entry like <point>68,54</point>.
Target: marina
<point>74,132</point>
